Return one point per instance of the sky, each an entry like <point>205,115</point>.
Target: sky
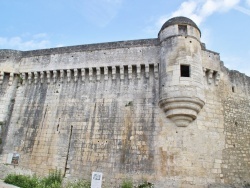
<point>39,24</point>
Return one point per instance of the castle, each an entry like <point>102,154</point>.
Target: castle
<point>166,110</point>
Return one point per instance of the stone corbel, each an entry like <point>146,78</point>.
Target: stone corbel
<point>156,70</point>
<point>11,78</point>
<point>48,76</point>
<point>138,71</point>
<point>204,71</point>
<point>23,77</point>
<point>75,75</point>
<point>1,77</point>
<point>217,78</point>
<point>83,74</point>
<point>147,71</point>
<point>68,75</point>
<point>130,72</point>
<point>54,76</point>
<point>121,72</point>
<point>113,72</point>
<point>90,74</point>
<point>210,76</point>
<point>29,77</point>
<point>98,73</point>
<point>106,73</point>
<point>42,76</point>
<point>61,75</point>
<point>35,77</point>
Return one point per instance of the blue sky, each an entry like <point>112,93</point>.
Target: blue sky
<point>37,24</point>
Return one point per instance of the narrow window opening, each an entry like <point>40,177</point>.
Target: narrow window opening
<point>182,29</point>
<point>233,89</point>
<point>185,71</point>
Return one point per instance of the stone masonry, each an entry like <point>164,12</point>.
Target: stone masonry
<point>165,110</point>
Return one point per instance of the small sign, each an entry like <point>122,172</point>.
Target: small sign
<point>15,159</point>
<point>96,181</point>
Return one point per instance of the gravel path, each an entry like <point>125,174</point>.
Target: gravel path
<point>4,185</point>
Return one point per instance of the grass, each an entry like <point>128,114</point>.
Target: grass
<point>146,184</point>
<point>53,180</point>
<point>22,180</point>
<point>127,184</point>
<point>79,184</point>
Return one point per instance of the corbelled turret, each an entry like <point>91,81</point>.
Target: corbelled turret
<point>181,74</point>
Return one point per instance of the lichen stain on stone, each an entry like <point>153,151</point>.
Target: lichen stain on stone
<point>126,134</point>
<point>163,159</point>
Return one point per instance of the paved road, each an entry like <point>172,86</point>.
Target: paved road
<point>4,185</point>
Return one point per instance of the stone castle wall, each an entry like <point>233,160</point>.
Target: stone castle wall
<point>95,108</point>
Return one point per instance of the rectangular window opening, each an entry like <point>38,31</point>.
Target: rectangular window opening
<point>182,29</point>
<point>185,71</point>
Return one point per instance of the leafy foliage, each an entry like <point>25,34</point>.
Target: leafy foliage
<point>53,180</point>
<point>22,180</point>
<point>79,184</point>
<point>127,184</point>
<point>146,185</point>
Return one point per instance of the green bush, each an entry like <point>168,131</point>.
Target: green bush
<point>22,180</point>
<point>79,184</point>
<point>53,180</point>
<point>146,185</point>
<point>127,184</point>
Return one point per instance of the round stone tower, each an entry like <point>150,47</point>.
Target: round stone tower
<point>181,74</point>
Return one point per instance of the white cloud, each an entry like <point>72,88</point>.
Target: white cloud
<point>99,12</point>
<point>199,10</point>
<point>243,10</point>
<point>37,41</point>
<point>248,2</point>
